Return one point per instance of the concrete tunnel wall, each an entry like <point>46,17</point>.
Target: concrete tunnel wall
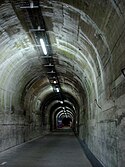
<point>90,45</point>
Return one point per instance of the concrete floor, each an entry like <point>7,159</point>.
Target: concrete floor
<point>54,150</point>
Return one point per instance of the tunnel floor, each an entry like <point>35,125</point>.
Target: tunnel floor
<point>58,149</point>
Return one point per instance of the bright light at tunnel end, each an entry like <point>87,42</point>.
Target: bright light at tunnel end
<point>43,46</point>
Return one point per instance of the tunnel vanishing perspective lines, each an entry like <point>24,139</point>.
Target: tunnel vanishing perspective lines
<point>51,150</point>
<point>61,68</point>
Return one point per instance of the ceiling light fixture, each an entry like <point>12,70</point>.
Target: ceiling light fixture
<point>57,89</point>
<point>31,4</point>
<point>54,82</point>
<point>66,115</point>
<point>43,46</point>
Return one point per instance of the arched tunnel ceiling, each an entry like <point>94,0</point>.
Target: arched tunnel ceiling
<point>85,40</point>
<point>76,32</point>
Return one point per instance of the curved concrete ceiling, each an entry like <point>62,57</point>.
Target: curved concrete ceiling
<point>85,48</point>
<point>77,39</point>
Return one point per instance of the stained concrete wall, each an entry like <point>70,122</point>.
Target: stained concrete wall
<point>103,132</point>
<point>91,36</point>
<point>103,125</point>
<point>16,69</point>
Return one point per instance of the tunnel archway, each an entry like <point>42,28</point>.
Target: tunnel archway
<point>66,121</point>
<point>85,62</point>
<point>53,107</point>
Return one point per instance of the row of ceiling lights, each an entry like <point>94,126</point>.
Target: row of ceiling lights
<point>40,33</point>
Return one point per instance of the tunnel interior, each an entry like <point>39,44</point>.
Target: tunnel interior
<point>66,121</point>
<point>62,63</point>
<point>54,110</point>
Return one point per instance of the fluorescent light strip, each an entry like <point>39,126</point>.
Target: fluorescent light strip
<point>43,46</point>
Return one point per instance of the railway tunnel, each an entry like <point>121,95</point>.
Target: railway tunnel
<point>62,68</point>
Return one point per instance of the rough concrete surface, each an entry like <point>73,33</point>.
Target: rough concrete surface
<point>56,149</point>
